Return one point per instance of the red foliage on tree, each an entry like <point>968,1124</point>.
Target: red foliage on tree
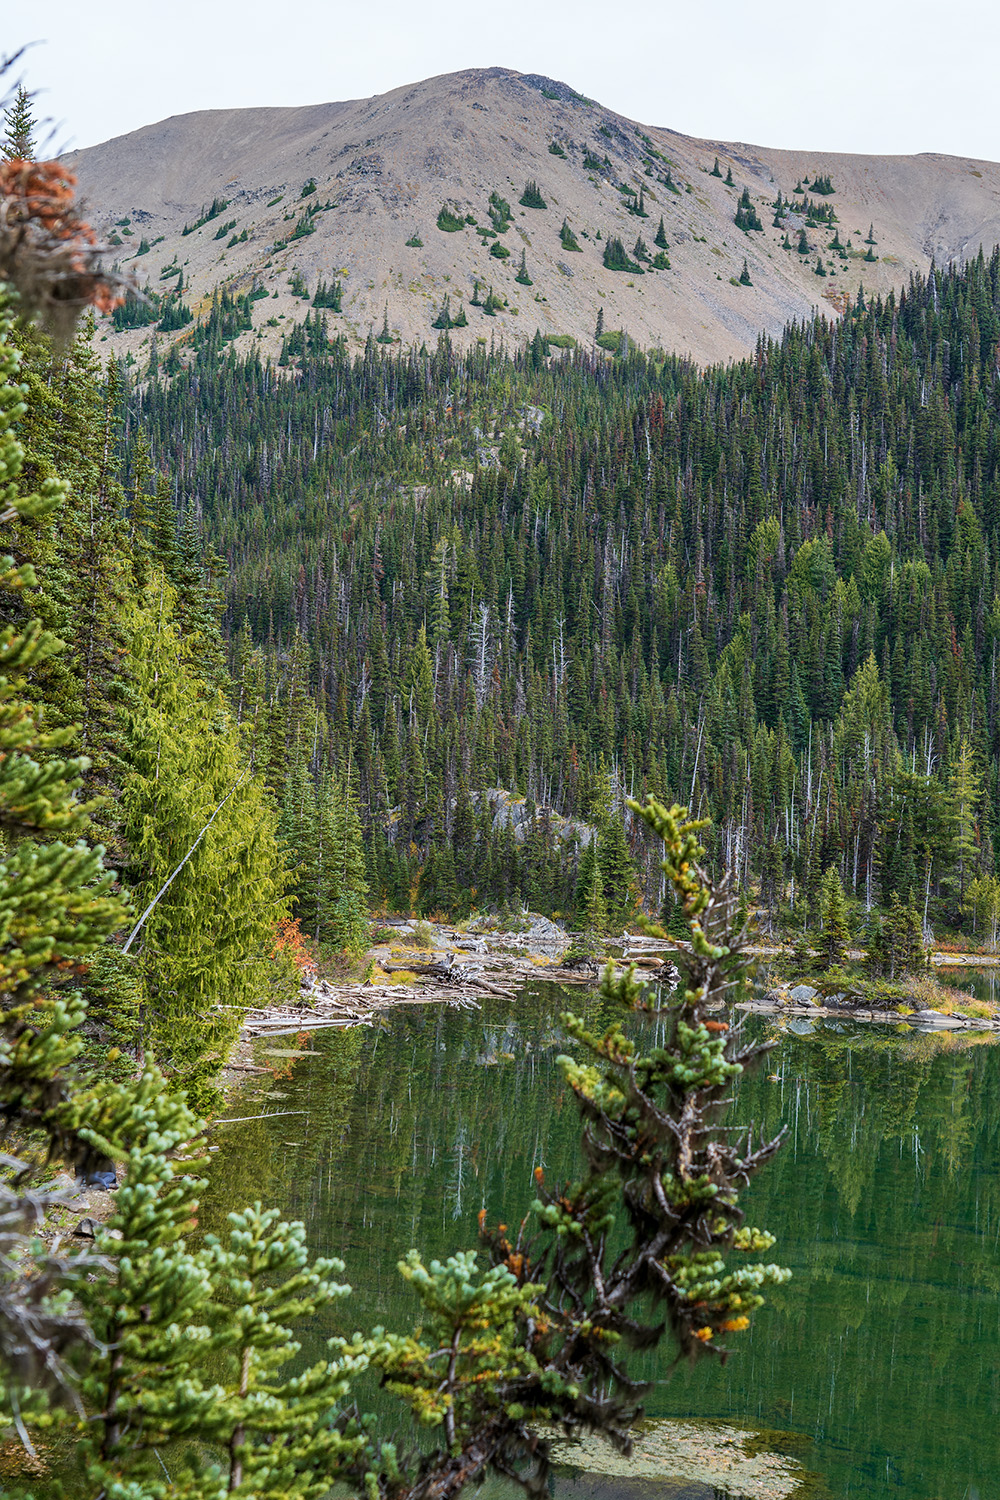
<point>47,252</point>
<point>291,944</point>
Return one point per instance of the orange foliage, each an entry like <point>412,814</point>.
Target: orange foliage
<point>47,251</point>
<point>291,944</point>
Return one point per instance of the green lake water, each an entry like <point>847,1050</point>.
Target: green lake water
<point>883,1351</point>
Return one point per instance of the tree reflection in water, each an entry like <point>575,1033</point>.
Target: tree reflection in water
<point>884,1348</point>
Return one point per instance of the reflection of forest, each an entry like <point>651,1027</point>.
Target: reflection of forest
<point>409,1130</point>
<point>885,1202</point>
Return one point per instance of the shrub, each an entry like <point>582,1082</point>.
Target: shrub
<point>292,948</point>
<point>448,221</point>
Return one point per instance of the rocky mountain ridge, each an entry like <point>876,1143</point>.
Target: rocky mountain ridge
<point>401,201</point>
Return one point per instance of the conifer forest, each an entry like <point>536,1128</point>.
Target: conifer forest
<point>292,650</point>
<point>768,591</point>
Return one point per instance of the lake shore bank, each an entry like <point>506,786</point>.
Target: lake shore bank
<point>436,963</point>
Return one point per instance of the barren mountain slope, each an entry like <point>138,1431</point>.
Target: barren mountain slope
<point>383,168</point>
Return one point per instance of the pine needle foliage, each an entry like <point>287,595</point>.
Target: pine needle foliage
<point>206,947</point>
<point>186,1349</point>
<point>543,1335</point>
<point>532,196</point>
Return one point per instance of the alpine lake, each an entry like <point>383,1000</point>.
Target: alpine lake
<point>877,1366</point>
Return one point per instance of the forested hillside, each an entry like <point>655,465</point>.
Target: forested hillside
<point>133,678</point>
<point>768,590</point>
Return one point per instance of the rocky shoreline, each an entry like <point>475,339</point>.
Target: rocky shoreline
<point>435,963</point>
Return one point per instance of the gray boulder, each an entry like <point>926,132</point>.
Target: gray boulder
<point>936,1020</point>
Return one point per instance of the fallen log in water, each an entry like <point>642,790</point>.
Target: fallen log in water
<point>441,968</point>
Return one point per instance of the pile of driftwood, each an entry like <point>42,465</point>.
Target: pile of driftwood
<point>442,978</point>
<point>324,1005</point>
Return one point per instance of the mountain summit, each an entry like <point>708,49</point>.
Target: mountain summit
<point>504,202</point>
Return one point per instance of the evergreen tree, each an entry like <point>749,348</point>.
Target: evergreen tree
<point>591,914</point>
<point>746,214</point>
<point>18,143</point>
<point>835,934</point>
<point>895,946</point>
<point>615,258</point>
<point>964,793</point>
<point>198,822</point>
<point>617,870</point>
<point>347,926</point>
<point>532,197</point>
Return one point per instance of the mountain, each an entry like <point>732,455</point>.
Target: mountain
<point>384,168</point>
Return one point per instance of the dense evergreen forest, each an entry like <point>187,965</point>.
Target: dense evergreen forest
<point>165,1360</point>
<point>768,590</point>
<point>135,681</point>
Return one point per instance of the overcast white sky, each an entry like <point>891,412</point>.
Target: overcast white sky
<point>861,75</point>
